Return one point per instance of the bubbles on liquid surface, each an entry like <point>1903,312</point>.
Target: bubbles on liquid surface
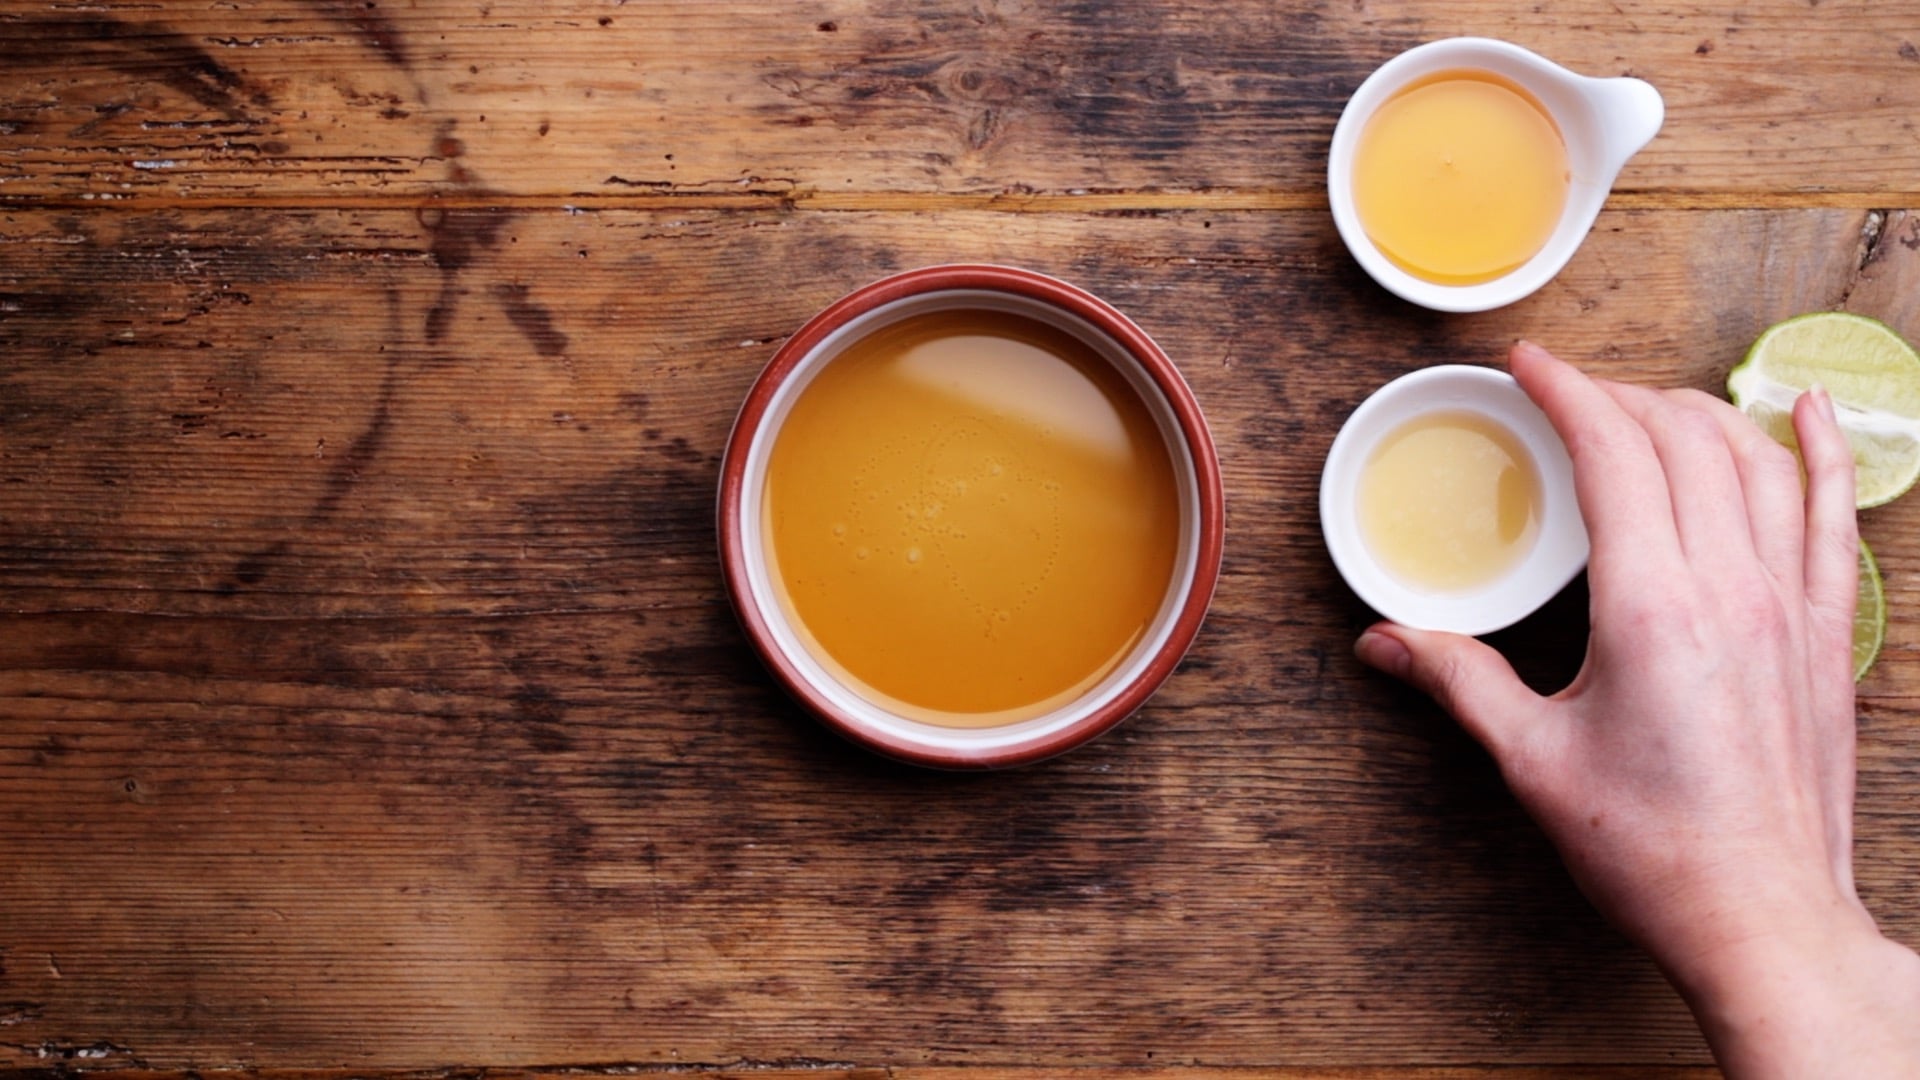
<point>957,498</point>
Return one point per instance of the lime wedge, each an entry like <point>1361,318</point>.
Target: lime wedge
<point>1873,377</point>
<point>1870,617</point>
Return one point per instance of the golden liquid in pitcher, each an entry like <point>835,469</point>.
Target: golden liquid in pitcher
<point>1449,501</point>
<point>1460,178</point>
<point>971,516</point>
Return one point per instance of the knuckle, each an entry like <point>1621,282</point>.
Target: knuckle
<point>1526,766</point>
<point>1838,542</point>
<point>1642,609</point>
<point>1828,454</point>
<point>1825,454</point>
<point>1757,611</point>
<point>1648,627</point>
<point>1696,428</point>
<point>1608,447</point>
<point>1696,400</point>
<point>1446,677</point>
<point>1774,464</point>
<point>1834,469</point>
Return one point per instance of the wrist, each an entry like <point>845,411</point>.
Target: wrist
<point>1811,1000</point>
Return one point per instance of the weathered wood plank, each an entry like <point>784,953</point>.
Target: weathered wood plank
<point>284,98</point>
<point>761,1071</point>
<point>366,695</point>
<point>368,699</point>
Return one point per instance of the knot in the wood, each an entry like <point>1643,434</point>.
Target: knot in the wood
<point>981,80</point>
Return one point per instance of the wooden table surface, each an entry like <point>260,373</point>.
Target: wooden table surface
<point>369,702</point>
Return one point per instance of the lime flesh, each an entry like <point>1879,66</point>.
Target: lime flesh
<point>1873,377</point>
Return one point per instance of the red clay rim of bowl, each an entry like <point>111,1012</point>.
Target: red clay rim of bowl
<point>1059,294</point>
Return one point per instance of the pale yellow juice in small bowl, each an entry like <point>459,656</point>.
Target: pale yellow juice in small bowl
<point>1447,502</point>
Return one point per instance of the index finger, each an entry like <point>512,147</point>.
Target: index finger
<point>1617,476</point>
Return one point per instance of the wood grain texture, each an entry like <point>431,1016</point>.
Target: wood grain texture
<point>368,697</point>
<point>821,98</point>
<point>369,703</point>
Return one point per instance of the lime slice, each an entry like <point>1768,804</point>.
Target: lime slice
<point>1870,617</point>
<point>1873,377</point>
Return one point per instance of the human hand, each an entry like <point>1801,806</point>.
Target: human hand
<point>1697,776</point>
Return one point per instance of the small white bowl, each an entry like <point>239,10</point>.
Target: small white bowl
<point>1559,551</point>
<point>1604,122</point>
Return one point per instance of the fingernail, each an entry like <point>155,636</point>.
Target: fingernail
<point>1384,652</point>
<point>1528,347</point>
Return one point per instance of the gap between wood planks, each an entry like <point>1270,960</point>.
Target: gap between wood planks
<point>912,202</point>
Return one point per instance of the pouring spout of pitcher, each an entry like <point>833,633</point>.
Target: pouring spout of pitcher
<point>1630,112</point>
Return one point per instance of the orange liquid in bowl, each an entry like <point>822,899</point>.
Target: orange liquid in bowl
<point>971,517</point>
<point>1460,178</point>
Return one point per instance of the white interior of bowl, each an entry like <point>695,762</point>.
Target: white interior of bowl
<point>1604,122</point>
<point>766,598</point>
<point>1559,551</point>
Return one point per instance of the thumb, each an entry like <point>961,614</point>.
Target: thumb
<point>1466,676</point>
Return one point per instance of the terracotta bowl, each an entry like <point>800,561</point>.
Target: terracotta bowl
<point>1112,336</point>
